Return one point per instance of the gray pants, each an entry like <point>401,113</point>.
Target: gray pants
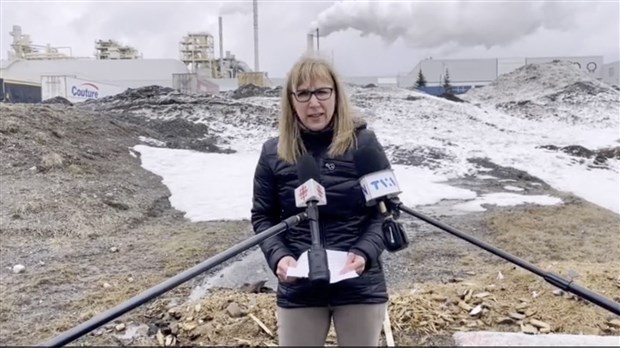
<point>355,325</point>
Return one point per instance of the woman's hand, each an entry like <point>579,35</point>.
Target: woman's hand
<point>355,263</point>
<point>283,265</point>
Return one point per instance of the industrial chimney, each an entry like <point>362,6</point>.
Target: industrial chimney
<point>219,19</point>
<point>256,35</point>
<point>310,39</point>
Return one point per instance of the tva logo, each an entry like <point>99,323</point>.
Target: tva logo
<point>385,182</point>
<point>86,90</point>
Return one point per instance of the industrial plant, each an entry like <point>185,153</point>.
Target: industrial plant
<point>35,72</point>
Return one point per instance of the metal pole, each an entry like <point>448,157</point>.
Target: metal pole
<point>93,323</point>
<point>551,278</point>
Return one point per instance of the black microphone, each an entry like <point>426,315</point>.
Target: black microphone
<point>379,184</point>
<point>311,194</point>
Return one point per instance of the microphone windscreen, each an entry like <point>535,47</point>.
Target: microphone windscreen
<point>369,160</point>
<point>307,169</point>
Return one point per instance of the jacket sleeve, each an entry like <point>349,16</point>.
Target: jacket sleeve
<point>371,243</point>
<point>265,211</point>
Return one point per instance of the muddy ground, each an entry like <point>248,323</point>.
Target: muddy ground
<point>92,229</point>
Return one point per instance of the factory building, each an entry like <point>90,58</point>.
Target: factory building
<point>611,73</point>
<point>123,73</point>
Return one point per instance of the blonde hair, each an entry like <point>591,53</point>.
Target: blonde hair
<point>306,69</point>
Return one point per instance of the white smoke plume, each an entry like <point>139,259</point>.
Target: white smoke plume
<point>461,23</point>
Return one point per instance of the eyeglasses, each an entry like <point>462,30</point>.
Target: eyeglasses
<point>304,95</point>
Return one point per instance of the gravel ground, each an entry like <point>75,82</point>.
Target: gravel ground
<point>92,228</point>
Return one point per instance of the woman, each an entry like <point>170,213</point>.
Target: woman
<point>317,118</point>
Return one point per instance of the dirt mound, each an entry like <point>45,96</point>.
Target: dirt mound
<point>68,148</point>
<point>57,100</point>
<point>251,90</point>
<point>83,220</point>
<point>599,157</point>
<point>554,91</point>
<point>216,123</point>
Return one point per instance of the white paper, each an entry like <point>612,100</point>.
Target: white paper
<point>335,262</point>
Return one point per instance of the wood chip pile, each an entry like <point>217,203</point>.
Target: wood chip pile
<point>510,300</point>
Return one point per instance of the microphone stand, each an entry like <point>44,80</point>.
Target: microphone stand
<point>550,277</point>
<point>318,270</point>
<point>93,323</point>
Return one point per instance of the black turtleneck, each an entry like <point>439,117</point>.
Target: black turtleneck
<point>317,142</point>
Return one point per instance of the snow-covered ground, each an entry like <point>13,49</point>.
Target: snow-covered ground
<point>570,109</point>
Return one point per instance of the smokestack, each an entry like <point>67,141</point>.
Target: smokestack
<point>310,39</point>
<point>317,40</point>
<point>219,19</point>
<point>256,35</point>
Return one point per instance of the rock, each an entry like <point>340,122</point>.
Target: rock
<point>174,329</point>
<point>500,276</point>
<point>113,249</point>
<point>614,323</point>
<point>120,327</point>
<point>256,287</point>
<point>106,285</point>
<point>50,161</point>
<point>530,312</point>
<point>130,279</point>
<point>19,269</point>
<point>558,292</point>
<point>234,310</point>
<point>173,312</point>
<point>516,316</point>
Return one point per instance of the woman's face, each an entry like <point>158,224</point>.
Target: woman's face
<point>315,103</point>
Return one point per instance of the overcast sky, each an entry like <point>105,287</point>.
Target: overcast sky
<point>365,38</point>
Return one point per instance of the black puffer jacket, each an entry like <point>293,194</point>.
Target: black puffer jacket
<point>346,223</point>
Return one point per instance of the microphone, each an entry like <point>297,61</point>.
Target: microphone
<point>379,184</point>
<point>311,194</point>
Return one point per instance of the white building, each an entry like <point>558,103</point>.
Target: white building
<point>466,73</point>
<point>130,73</point>
<point>611,73</point>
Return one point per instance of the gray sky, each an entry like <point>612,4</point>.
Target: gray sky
<point>363,37</point>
